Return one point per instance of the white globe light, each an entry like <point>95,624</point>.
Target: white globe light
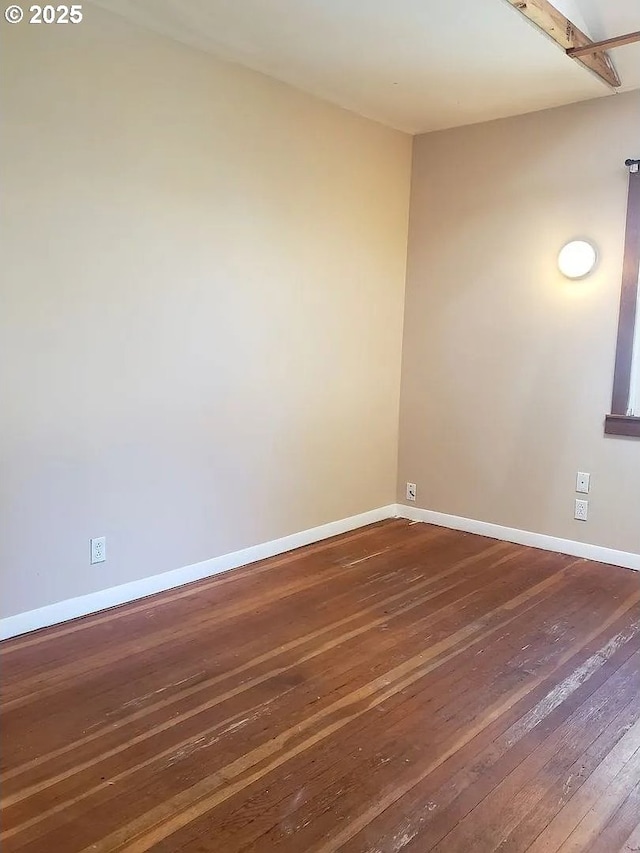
<point>577,259</point>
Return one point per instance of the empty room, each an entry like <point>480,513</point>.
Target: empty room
<point>320,426</point>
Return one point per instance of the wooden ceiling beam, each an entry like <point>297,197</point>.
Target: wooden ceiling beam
<point>607,44</point>
<point>552,22</point>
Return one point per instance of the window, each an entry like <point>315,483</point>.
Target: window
<point>625,404</point>
<point>634,394</point>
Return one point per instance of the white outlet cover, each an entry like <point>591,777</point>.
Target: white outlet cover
<point>582,510</point>
<point>411,491</point>
<point>98,550</point>
<point>582,483</point>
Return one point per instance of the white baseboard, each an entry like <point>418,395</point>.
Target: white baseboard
<point>598,553</point>
<point>62,611</point>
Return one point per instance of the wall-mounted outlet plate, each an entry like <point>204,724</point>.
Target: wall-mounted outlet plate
<point>99,550</point>
<point>582,510</point>
<point>583,483</point>
<point>412,491</point>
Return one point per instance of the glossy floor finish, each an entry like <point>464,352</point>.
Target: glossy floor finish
<point>400,688</point>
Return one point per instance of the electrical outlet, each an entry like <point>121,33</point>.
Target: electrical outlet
<point>582,510</point>
<point>99,550</point>
<point>411,491</point>
<point>582,483</point>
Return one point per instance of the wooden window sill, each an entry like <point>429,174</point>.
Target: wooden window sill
<point>622,425</point>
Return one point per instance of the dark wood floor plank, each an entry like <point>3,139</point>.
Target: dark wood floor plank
<point>358,543</point>
<point>454,703</point>
<point>214,659</point>
<point>562,755</point>
<point>548,793</point>
<point>347,683</point>
<point>402,687</point>
<point>266,671</point>
<point>398,791</point>
<point>439,803</point>
<point>632,844</point>
<point>208,792</point>
<point>436,699</point>
<point>617,773</point>
<point>212,646</point>
<point>149,637</point>
<point>619,826</point>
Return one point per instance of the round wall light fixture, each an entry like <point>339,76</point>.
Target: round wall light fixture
<point>577,259</point>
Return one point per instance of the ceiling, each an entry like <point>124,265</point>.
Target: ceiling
<point>416,65</point>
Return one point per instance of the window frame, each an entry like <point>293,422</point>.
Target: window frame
<point>620,422</point>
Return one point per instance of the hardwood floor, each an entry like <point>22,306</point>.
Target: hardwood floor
<point>400,688</point>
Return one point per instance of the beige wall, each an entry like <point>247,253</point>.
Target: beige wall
<point>202,295</point>
<point>508,367</point>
